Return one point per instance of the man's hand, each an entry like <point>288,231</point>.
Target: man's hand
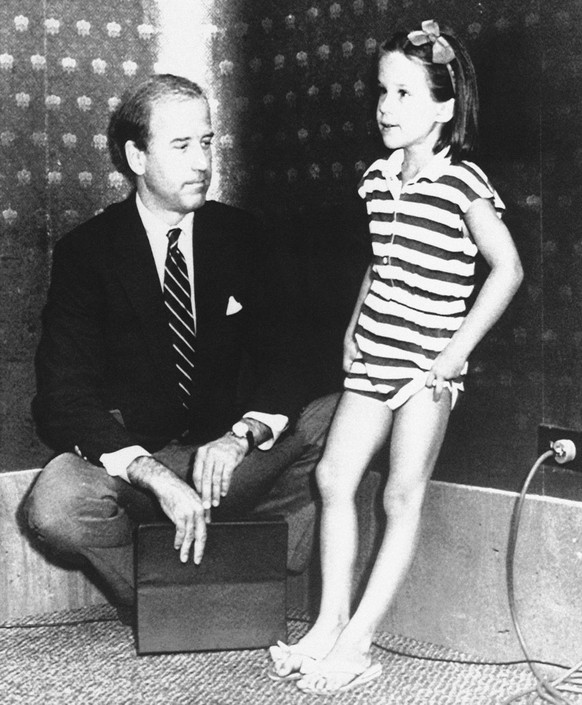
<point>213,467</point>
<point>179,502</point>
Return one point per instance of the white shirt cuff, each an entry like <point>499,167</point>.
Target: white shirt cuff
<point>116,463</point>
<point>276,422</point>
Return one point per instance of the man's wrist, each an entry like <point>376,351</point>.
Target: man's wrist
<point>243,433</point>
<point>251,432</point>
<point>261,431</point>
<point>242,442</point>
<point>145,471</point>
<point>117,462</point>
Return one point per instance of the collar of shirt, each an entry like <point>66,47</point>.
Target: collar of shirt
<point>157,234</point>
<point>435,168</point>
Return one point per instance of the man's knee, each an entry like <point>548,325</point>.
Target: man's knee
<point>55,506</point>
<point>315,419</point>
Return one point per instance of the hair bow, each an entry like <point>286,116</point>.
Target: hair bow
<point>442,51</point>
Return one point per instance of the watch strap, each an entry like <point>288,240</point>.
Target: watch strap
<point>248,434</point>
<point>251,441</point>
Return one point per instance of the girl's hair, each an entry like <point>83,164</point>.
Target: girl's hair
<point>460,133</point>
<point>131,119</point>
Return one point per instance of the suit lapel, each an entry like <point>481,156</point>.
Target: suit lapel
<point>209,262</point>
<point>138,275</point>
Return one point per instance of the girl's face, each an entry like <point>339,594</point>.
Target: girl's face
<point>408,116</point>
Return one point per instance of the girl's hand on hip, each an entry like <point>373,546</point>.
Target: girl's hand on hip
<point>351,351</point>
<point>446,367</point>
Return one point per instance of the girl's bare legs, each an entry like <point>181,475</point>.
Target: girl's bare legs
<point>359,428</point>
<point>417,434</point>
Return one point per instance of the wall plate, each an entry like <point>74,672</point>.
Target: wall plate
<point>549,434</point>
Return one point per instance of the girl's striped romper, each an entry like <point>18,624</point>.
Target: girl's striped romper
<point>422,273</point>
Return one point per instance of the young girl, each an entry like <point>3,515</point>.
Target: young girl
<point>406,347</point>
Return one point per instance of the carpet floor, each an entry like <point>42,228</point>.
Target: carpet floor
<point>88,657</point>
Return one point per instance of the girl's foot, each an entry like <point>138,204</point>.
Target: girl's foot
<point>325,681</point>
<point>343,668</point>
<point>293,662</point>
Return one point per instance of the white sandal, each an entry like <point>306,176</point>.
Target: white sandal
<point>285,655</point>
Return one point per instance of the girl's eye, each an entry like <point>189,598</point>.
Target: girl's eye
<point>402,93</point>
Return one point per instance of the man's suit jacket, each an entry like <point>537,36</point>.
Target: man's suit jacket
<point>105,344</point>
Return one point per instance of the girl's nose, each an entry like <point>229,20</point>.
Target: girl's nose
<point>384,104</point>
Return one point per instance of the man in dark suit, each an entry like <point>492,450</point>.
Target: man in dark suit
<point>165,381</point>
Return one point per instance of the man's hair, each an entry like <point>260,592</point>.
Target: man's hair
<point>460,133</point>
<point>131,119</point>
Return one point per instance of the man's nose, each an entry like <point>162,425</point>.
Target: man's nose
<point>200,159</point>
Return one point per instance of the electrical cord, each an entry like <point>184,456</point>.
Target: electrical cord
<point>571,681</point>
<point>548,692</point>
<point>441,659</point>
<point>68,623</point>
<point>386,649</point>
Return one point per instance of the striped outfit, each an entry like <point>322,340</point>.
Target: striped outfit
<point>422,273</point>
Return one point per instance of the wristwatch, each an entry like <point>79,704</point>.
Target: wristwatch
<point>242,430</point>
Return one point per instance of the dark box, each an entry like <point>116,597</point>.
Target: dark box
<point>235,599</point>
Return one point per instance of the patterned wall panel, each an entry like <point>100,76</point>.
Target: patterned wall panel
<point>292,85</point>
<point>561,285</point>
<point>63,66</point>
<point>296,86</point>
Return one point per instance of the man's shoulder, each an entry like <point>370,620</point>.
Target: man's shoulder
<point>97,228</point>
<point>227,213</point>
<point>223,225</point>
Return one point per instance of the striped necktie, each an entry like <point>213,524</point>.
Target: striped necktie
<point>177,297</point>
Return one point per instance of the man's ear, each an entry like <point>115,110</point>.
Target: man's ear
<point>446,110</point>
<point>136,158</point>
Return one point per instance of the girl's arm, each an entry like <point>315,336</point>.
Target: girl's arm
<point>496,245</point>
<point>350,346</point>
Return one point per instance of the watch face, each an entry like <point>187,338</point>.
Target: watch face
<point>240,429</point>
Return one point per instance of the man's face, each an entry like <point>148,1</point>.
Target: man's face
<point>173,173</point>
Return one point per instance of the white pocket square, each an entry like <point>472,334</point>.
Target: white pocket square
<point>233,306</point>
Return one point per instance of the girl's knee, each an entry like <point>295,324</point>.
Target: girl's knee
<point>324,476</point>
<point>333,484</point>
<point>402,500</point>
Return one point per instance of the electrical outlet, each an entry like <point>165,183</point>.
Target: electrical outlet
<point>549,434</point>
